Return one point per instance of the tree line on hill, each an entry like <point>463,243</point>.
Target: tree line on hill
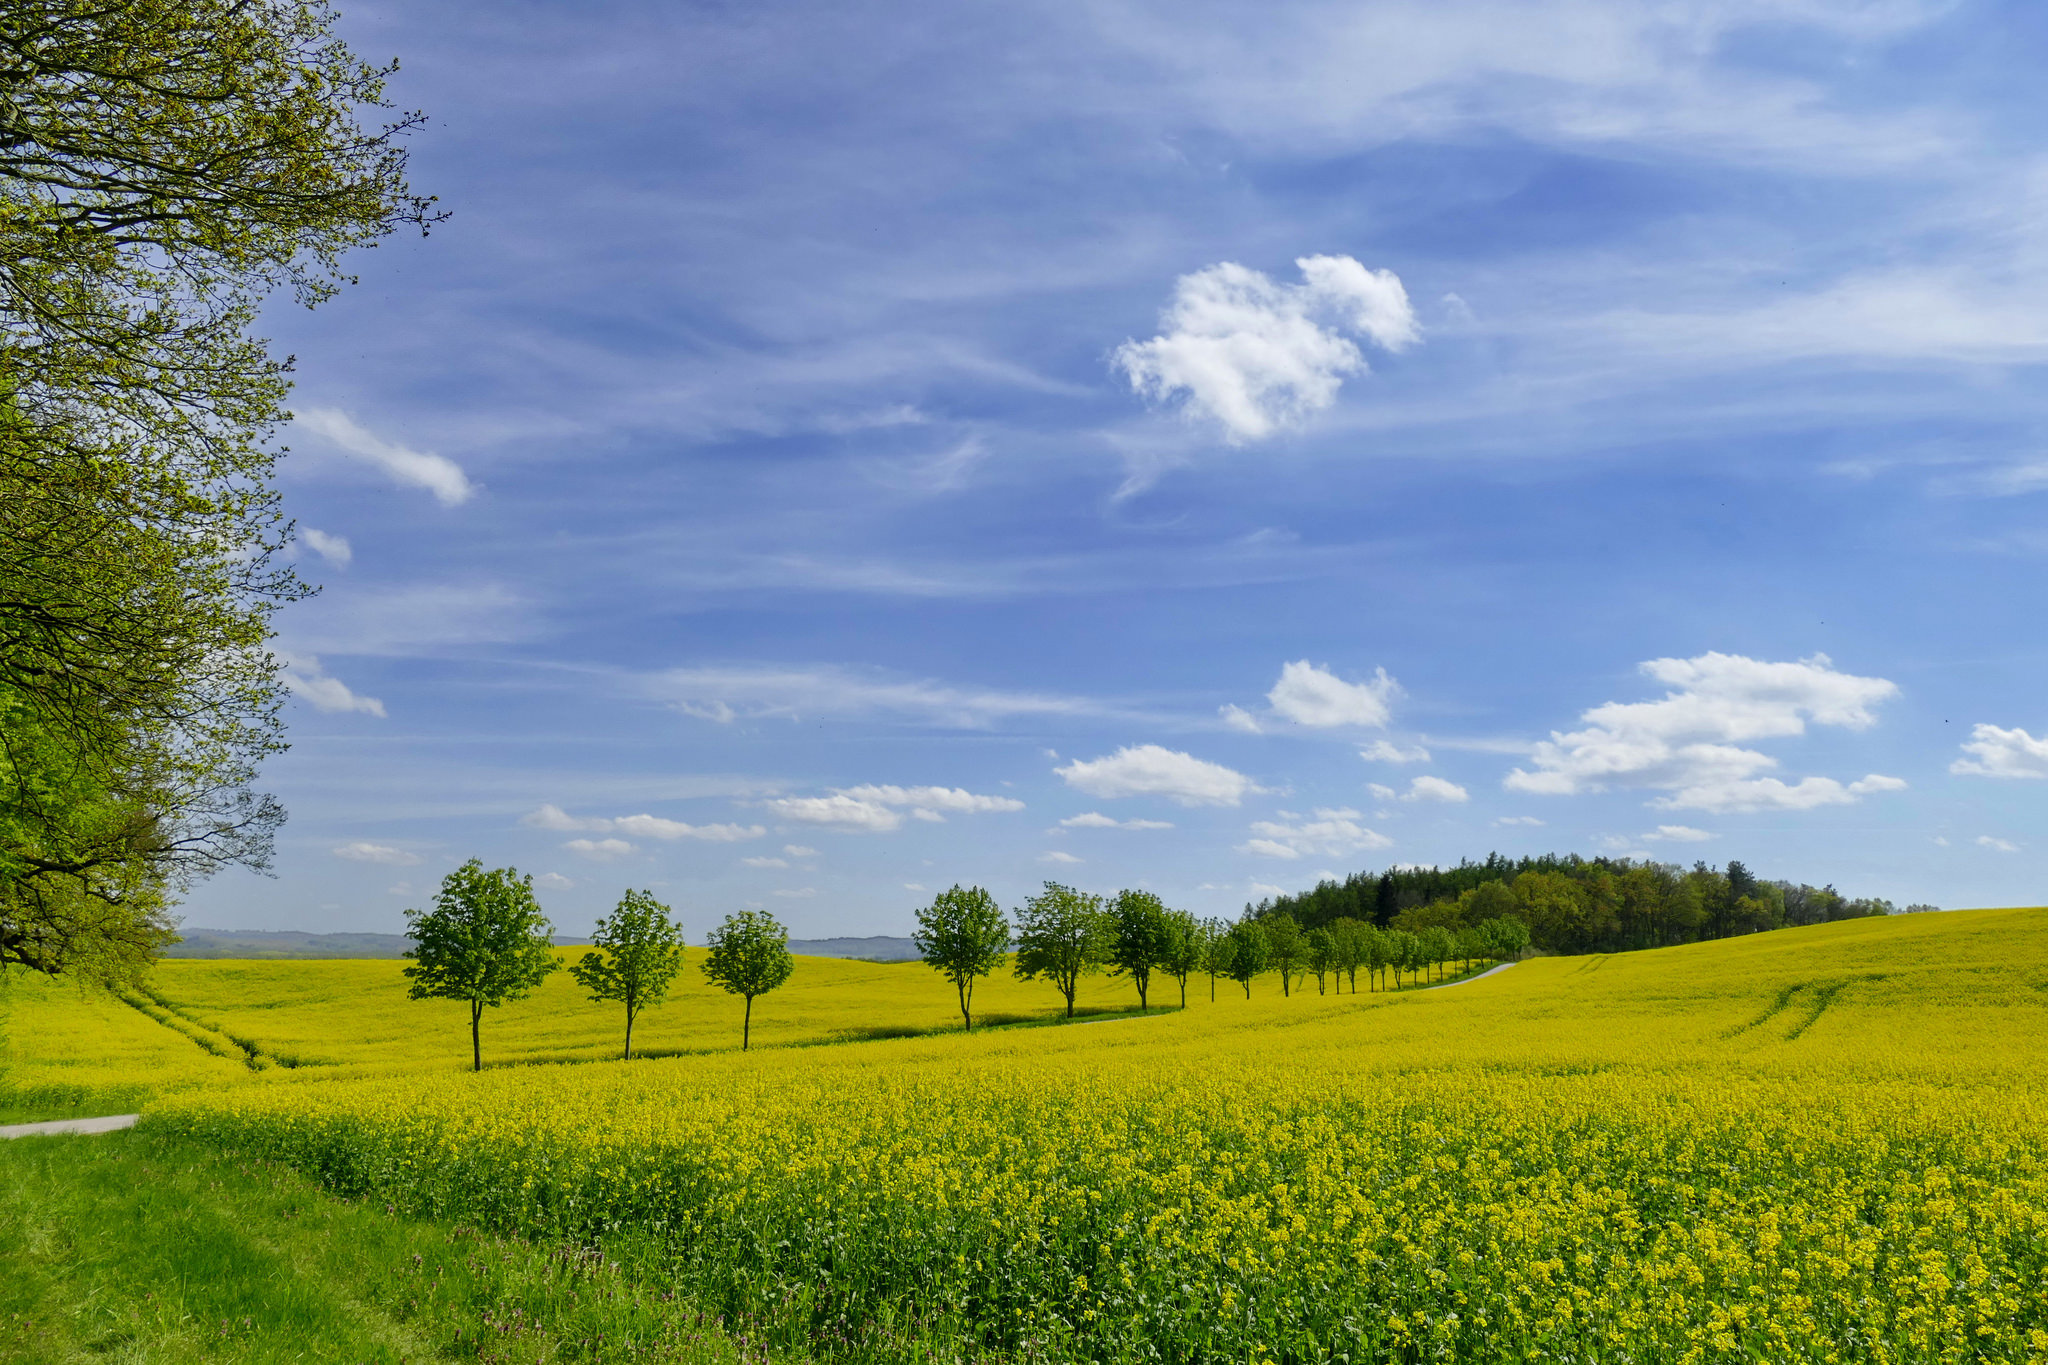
<point>1572,904</point>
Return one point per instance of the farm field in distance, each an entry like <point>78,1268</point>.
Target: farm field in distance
<point>1811,1144</point>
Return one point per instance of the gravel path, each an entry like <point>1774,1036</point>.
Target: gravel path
<point>1470,979</point>
<point>100,1125</point>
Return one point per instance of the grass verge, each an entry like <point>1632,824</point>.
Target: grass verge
<point>130,1247</point>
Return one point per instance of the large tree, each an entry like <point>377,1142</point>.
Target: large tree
<point>485,942</point>
<point>963,935</point>
<point>748,955</point>
<point>639,950</point>
<point>164,166</point>
<point>1060,937</point>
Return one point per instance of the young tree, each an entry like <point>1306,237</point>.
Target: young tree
<point>1403,953</point>
<point>1137,935</point>
<point>1286,946</point>
<point>1251,952</point>
<point>1438,947</point>
<point>1060,938</point>
<point>639,951</point>
<point>1219,950</point>
<point>1506,936</point>
<point>748,955</point>
<point>1378,954</point>
<point>1184,952</point>
<point>962,935</point>
<point>484,942</point>
<point>1321,956</point>
<point>1347,942</point>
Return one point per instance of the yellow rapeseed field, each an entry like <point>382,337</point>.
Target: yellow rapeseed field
<point>1818,1144</point>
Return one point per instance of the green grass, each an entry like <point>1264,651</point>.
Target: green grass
<point>133,1248</point>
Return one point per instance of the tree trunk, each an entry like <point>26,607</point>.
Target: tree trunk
<point>747,1024</point>
<point>629,1034</point>
<point>476,1047</point>
<point>966,990</point>
<point>1183,992</point>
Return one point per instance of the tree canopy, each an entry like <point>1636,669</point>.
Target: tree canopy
<point>639,950</point>
<point>1061,935</point>
<point>484,942</point>
<point>748,955</point>
<point>962,934</point>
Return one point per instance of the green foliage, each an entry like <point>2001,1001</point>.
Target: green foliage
<point>1348,940</point>
<point>1138,935</point>
<point>962,934</point>
<point>1061,935</point>
<point>164,164</point>
<point>1286,948</point>
<point>639,951</point>
<point>1249,952</point>
<point>748,955</point>
<point>484,942</point>
<point>1184,951</point>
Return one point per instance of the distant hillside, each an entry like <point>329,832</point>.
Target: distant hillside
<point>282,943</point>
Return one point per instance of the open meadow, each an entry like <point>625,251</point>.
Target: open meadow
<point>1813,1144</point>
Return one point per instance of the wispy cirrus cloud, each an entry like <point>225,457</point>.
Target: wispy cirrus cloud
<point>879,809</point>
<point>553,817</point>
<point>437,474</point>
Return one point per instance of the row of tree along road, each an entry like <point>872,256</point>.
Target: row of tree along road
<point>486,941</point>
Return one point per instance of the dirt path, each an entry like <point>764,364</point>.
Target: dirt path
<point>1470,979</point>
<point>99,1125</point>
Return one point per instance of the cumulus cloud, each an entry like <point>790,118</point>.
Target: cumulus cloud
<point>599,850</point>
<point>878,809</point>
<point>1252,355</point>
<point>437,474</point>
<point>1512,821</point>
<point>766,862</point>
<point>798,892</point>
<point>1689,743</point>
<point>1150,770</point>
<point>360,852</point>
<point>1055,856</point>
<point>1237,718</point>
<point>799,851</point>
<point>1997,845</point>
<point>640,826</point>
<point>552,881</point>
<point>1677,834</point>
<point>1331,832</point>
<point>1381,751</point>
<point>334,549</point>
<point>1428,788</point>
<point>1097,820</point>
<point>303,674</point>
<point>1311,695</point>
<point>2002,753</point>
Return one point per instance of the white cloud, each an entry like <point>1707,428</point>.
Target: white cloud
<point>2000,845</point>
<point>799,851</point>
<point>334,549</point>
<point>934,798</point>
<point>641,826</point>
<point>1524,820</point>
<point>2002,753</point>
<point>1055,856</point>
<point>1687,743</point>
<point>1309,695</point>
<point>1331,832</point>
<point>1382,792</point>
<point>766,862</point>
<point>725,695</point>
<point>913,886</point>
<point>876,808</point>
<point>1097,820</point>
<point>1149,770</point>
<point>1677,834</point>
<point>304,676</point>
<point>1427,788</point>
<point>1252,355</point>
<point>1237,718</point>
<point>798,892</point>
<point>437,474</point>
<point>553,881</point>
<point>377,853</point>
<point>600,850</point>
<point>1381,751</point>
<point>400,889</point>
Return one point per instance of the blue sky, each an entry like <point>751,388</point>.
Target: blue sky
<point>830,454</point>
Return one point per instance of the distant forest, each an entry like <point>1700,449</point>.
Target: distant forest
<point>1573,904</point>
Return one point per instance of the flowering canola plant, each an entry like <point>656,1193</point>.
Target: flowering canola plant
<point>1822,1144</point>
